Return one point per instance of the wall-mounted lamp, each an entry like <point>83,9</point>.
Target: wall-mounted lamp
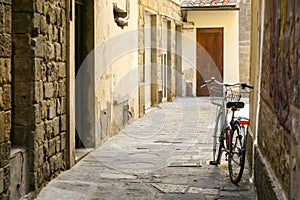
<point>121,17</point>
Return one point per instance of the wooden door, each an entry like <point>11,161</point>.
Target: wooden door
<point>209,57</point>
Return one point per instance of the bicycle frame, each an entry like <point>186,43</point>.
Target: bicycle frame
<point>232,128</point>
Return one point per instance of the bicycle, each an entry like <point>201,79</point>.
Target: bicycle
<point>229,135</point>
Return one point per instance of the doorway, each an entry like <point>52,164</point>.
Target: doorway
<point>84,44</point>
<point>209,57</point>
<point>148,63</point>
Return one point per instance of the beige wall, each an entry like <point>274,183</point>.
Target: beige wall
<point>116,62</point>
<point>115,77</point>
<point>210,19</point>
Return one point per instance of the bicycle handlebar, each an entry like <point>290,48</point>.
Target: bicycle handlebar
<point>213,80</point>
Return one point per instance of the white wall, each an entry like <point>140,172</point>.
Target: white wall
<point>210,19</point>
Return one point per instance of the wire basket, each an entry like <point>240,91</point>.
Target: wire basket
<point>216,94</point>
<point>233,93</point>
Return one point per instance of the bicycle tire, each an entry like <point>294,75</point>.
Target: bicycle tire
<point>217,149</point>
<point>237,154</point>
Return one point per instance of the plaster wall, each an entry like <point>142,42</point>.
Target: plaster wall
<point>116,63</point>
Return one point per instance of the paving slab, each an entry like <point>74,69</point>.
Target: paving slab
<point>163,155</point>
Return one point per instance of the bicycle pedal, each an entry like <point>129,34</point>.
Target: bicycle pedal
<point>213,162</point>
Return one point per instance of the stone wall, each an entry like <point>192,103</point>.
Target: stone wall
<point>244,39</point>
<point>40,78</point>
<point>276,155</point>
<point>5,95</point>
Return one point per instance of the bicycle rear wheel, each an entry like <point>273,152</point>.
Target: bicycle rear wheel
<point>237,153</point>
<point>217,149</point>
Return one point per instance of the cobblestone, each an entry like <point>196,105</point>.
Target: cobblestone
<point>163,155</point>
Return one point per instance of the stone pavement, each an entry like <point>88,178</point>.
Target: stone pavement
<point>163,155</point>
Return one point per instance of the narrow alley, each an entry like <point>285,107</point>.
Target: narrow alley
<point>163,155</point>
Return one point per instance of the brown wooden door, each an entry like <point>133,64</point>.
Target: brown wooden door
<point>209,57</point>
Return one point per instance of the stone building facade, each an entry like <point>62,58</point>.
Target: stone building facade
<point>5,95</point>
<point>275,104</point>
<point>163,30</point>
<point>33,94</point>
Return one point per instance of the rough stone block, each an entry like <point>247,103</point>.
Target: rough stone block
<point>2,17</point>
<point>52,164</point>
<point>38,91</point>
<point>39,176</point>
<point>6,97</point>
<point>52,71</point>
<point>1,180</point>
<point>51,146</point>
<point>63,123</point>
<point>49,52</point>
<point>62,70</point>
<point>4,153</point>
<point>63,18</point>
<point>8,21</point>
<point>40,133</point>
<point>57,147</point>
<point>63,141</point>
<point>5,45</point>
<point>44,109</point>
<point>51,15</point>
<point>38,44</point>
<point>38,68</point>
<point>57,51</point>
<point>64,52</point>
<point>49,129</point>
<point>46,148</point>
<point>2,115</point>
<point>55,125</point>
<point>7,126</point>
<point>55,34</point>
<point>57,10</point>
<point>58,106</point>
<point>37,113</point>
<point>63,105</point>
<point>44,25</point>
<point>40,156</point>
<point>38,7</point>
<point>46,169</point>
<point>6,1</point>
<point>62,88</point>
<point>36,29</point>
<point>52,109</point>
<point>48,90</point>
<point>5,70</point>
<point>1,101</point>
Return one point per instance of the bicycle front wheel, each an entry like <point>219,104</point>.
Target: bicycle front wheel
<point>217,151</point>
<point>237,153</point>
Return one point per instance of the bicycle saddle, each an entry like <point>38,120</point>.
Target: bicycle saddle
<point>235,104</point>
